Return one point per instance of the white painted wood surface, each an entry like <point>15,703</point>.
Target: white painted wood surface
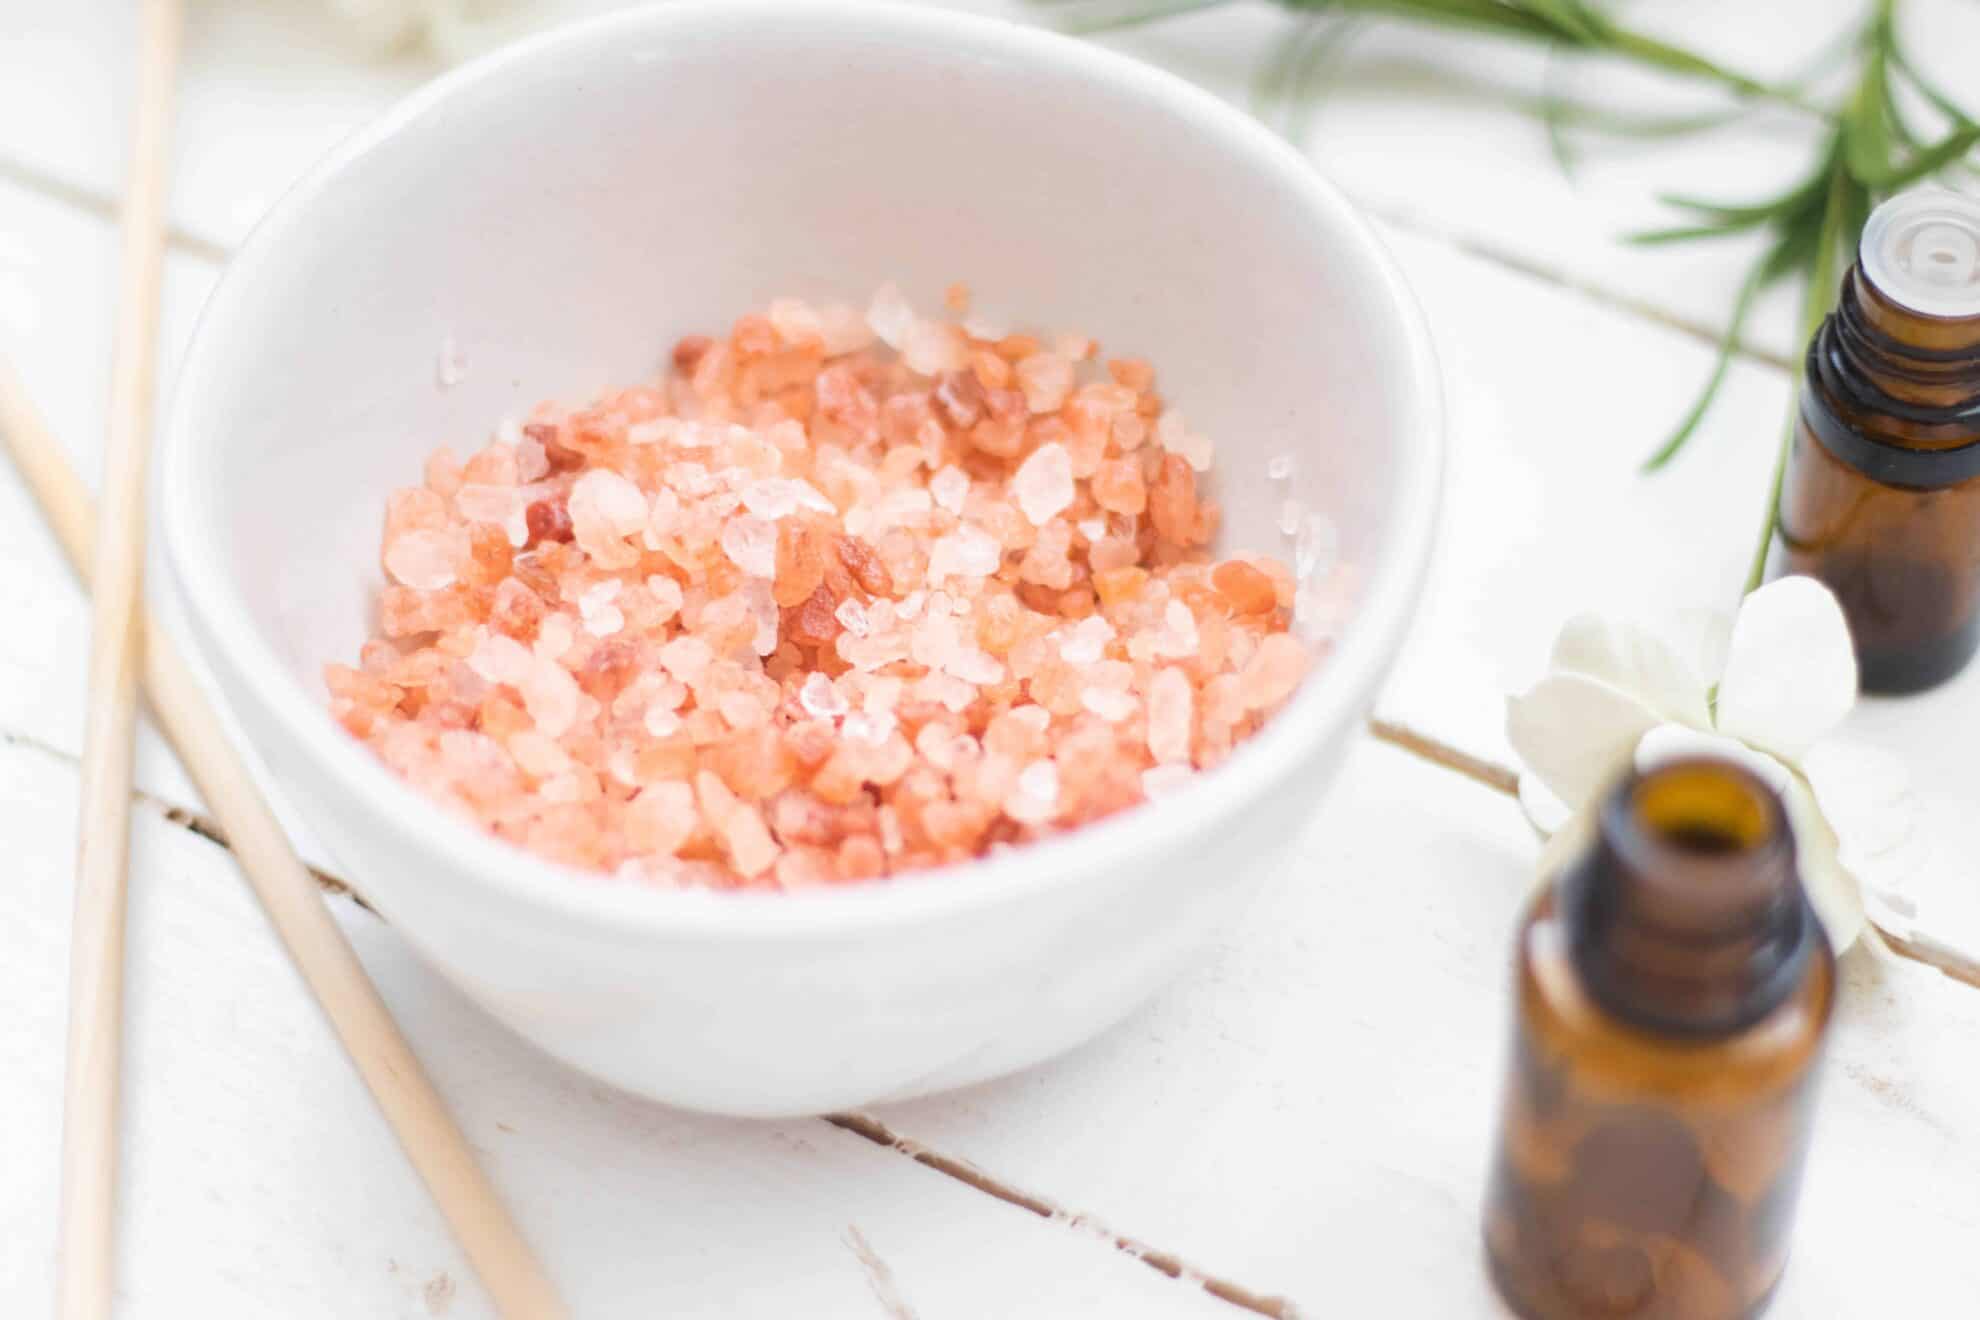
<point>1305,1117</point>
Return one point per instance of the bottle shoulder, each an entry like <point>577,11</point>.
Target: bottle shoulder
<point>1558,1018</point>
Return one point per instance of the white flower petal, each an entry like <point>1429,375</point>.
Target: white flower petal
<point>1544,811</point>
<point>1573,839</point>
<point>1790,672</point>
<point>1863,791</point>
<point>1702,637</point>
<point>1674,742</point>
<point>1635,660</point>
<point>1576,732</point>
<point>1832,890</point>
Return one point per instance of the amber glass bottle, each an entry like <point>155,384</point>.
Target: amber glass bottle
<point>1882,494</point>
<point>1674,990</point>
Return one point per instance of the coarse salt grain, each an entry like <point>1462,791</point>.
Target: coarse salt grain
<point>1316,546</point>
<point>1290,514</point>
<point>1171,704</point>
<point>771,498</point>
<point>819,697</point>
<point>425,559</point>
<point>949,488</point>
<point>1174,435</point>
<point>851,616</point>
<point>890,316</point>
<point>1279,467</point>
<point>751,545</point>
<point>1109,704</point>
<point>1043,484</point>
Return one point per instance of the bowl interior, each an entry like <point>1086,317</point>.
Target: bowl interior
<point>558,215</point>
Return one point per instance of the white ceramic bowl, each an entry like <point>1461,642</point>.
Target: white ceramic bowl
<point>561,212</point>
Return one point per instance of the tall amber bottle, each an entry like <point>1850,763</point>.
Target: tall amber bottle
<point>1674,990</point>
<point>1882,494</point>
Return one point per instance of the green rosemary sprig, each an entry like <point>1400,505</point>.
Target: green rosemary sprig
<point>1868,147</point>
<point>1574,24</point>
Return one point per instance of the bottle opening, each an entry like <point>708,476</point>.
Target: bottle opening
<point>1703,810</point>
<point>1921,250</point>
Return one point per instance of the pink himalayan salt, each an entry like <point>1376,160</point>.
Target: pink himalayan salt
<point>1170,712</point>
<point>993,619</point>
<point>1043,485</point>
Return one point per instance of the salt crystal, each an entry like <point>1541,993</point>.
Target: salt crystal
<point>851,616</point>
<point>425,559</point>
<point>974,666</point>
<point>978,326</point>
<point>1043,485</point>
<point>909,606</point>
<point>1174,435</point>
<point>1035,718</point>
<point>883,693</point>
<point>741,710</point>
<point>1077,348</point>
<point>536,755</point>
<point>751,545</point>
<point>795,321</point>
<point>950,487</point>
<point>509,432</point>
<point>1109,704</point>
<point>1046,379</point>
<point>1179,637</point>
<point>934,640</point>
<point>874,729</point>
<point>666,593</point>
<point>771,498</point>
<point>661,722</point>
<point>500,659</point>
<point>687,658</point>
<point>843,329</point>
<point>1290,514</point>
<point>930,348</point>
<point>1035,799</point>
<point>763,609</point>
<point>820,698</point>
<point>690,479</point>
<point>1086,641</point>
<point>554,637</point>
<point>449,367</point>
<point>1171,713</point>
<point>550,695</point>
<point>810,497</point>
<point>890,316</point>
<point>1316,548</point>
<point>1093,529</point>
<point>480,503</point>
<point>1280,467</point>
<point>606,508</point>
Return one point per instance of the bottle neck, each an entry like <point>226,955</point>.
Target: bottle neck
<point>1687,915</point>
<point>1927,362</point>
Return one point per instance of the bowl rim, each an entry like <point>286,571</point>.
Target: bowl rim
<point>1342,689</point>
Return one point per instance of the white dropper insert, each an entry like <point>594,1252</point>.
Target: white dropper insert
<point>1921,249</point>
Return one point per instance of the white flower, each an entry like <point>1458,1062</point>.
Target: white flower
<point>1765,690</point>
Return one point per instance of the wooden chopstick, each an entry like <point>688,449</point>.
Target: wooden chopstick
<point>294,903</point>
<point>96,941</point>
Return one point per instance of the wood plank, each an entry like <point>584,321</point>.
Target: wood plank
<point>259,1179</point>
<point>1312,1110</point>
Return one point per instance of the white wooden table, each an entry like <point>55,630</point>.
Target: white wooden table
<point>1299,1125</point>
